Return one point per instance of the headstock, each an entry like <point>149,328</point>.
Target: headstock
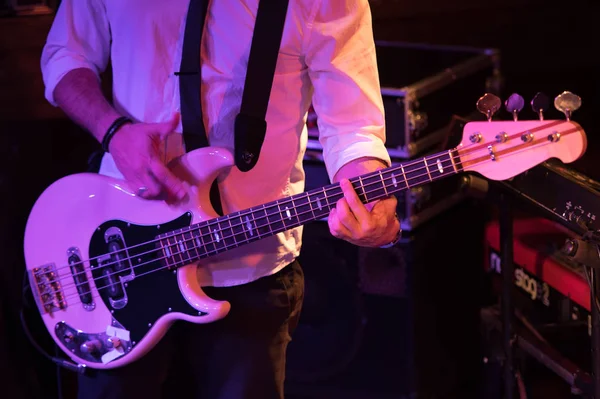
<point>500,150</point>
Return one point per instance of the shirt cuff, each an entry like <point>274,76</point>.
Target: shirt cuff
<point>372,149</point>
<point>61,65</point>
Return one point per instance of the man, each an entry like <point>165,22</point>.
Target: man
<point>327,58</point>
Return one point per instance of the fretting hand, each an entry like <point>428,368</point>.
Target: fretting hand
<point>371,225</point>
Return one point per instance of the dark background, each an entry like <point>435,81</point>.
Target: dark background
<point>545,46</point>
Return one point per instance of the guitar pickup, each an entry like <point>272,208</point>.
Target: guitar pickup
<point>80,278</point>
<point>115,268</point>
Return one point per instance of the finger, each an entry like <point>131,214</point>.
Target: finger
<point>371,205</point>
<point>387,206</point>
<point>165,128</point>
<point>167,180</point>
<point>345,215</point>
<point>354,203</point>
<point>146,187</point>
<point>337,229</point>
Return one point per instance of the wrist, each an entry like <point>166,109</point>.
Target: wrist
<point>114,127</point>
<point>396,239</point>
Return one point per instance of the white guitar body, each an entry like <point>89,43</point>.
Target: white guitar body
<point>110,272</point>
<point>61,219</point>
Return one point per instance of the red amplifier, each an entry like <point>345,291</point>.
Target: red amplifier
<point>555,287</point>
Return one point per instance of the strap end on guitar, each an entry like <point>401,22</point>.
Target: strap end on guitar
<point>249,135</point>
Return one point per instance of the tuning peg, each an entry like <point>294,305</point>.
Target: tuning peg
<point>540,103</point>
<point>514,105</point>
<point>567,103</point>
<point>488,104</point>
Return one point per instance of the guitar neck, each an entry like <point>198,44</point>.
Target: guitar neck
<point>183,246</point>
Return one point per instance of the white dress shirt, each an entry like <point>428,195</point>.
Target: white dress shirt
<point>327,57</point>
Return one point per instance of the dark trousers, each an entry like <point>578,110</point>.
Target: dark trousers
<point>239,357</point>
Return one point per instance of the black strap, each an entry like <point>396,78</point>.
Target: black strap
<point>250,123</point>
<point>194,132</point>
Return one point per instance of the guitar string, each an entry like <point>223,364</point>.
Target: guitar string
<point>216,250</point>
<point>277,203</point>
<point>182,261</point>
<point>209,253</point>
<point>469,149</point>
<point>226,246</point>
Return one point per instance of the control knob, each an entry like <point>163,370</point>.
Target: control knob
<point>90,346</point>
<point>113,342</point>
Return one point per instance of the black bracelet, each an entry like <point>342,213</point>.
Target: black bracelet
<point>114,127</point>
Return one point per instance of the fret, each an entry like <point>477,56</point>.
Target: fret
<point>427,168</point>
<point>237,226</point>
<point>304,211</point>
<point>217,236</point>
<point>439,165</point>
<point>262,222</point>
<point>249,226</point>
<point>207,239</point>
<point>451,155</point>
<point>383,183</point>
<point>188,244</point>
<point>404,175</point>
<point>318,203</point>
<point>227,234</point>
<point>363,196</point>
<point>274,218</point>
<point>288,213</point>
<point>397,180</point>
<point>415,174</point>
<point>167,254</point>
<point>325,199</point>
<point>294,212</point>
<point>374,189</point>
<point>172,240</point>
<point>335,194</point>
<point>181,247</point>
<point>198,242</point>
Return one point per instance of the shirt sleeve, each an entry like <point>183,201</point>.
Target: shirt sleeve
<point>79,38</point>
<point>342,65</point>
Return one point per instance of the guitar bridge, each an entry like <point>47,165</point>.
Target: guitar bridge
<point>47,290</point>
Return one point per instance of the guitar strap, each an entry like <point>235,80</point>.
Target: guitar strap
<point>250,124</point>
<point>194,133</point>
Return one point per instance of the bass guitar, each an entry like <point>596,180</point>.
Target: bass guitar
<point>110,271</point>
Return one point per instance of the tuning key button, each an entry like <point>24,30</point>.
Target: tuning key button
<point>554,137</point>
<point>567,103</point>
<point>502,137</point>
<point>540,103</point>
<point>488,104</point>
<point>527,137</point>
<point>475,138</point>
<point>514,104</point>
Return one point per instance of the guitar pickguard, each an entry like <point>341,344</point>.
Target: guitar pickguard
<point>120,252</point>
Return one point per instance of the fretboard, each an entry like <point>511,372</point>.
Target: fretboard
<point>189,244</point>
